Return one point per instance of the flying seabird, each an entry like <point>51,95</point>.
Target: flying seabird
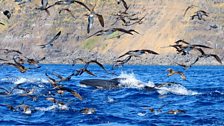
<point>184,47</point>
<point>183,65</point>
<point>137,21</point>
<point>91,16</point>
<point>200,15</point>
<point>58,87</point>
<point>112,30</point>
<point>34,61</point>
<point>89,62</point>
<point>50,43</point>
<point>82,70</point>
<point>19,66</point>
<point>204,55</point>
<point>121,62</point>
<point>172,72</point>
<point>68,78</point>
<point>137,53</point>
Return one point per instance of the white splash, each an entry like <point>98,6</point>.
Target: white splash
<point>110,100</point>
<point>141,113</point>
<point>175,89</point>
<point>130,81</point>
<point>49,108</point>
<point>21,80</point>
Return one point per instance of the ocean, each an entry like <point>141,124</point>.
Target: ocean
<point>199,99</point>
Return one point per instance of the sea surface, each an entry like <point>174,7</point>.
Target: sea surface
<point>200,98</point>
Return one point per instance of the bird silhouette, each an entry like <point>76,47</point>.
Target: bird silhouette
<point>121,62</point>
<point>172,72</point>
<point>184,47</point>
<point>112,30</point>
<point>91,16</point>
<point>50,43</point>
<point>204,55</point>
<point>137,53</point>
<point>19,66</point>
<point>200,15</point>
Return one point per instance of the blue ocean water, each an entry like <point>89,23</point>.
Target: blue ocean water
<point>201,97</point>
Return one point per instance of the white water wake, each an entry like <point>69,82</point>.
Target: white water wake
<point>131,81</point>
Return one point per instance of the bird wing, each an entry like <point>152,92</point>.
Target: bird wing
<point>127,53</point>
<point>52,40</point>
<point>216,57</point>
<point>41,59</point>
<point>181,41</point>
<point>98,33</point>
<point>81,3</point>
<point>204,12</point>
<point>182,65</point>
<point>195,60</point>
<point>58,75</point>
<point>101,20</point>
<point>181,75</point>
<point>189,7</point>
<point>68,10</point>
<point>203,46</point>
<point>9,51</point>
<point>123,30</point>
<point>55,37</point>
<point>89,72</point>
<point>124,4</point>
<point>99,64</point>
<point>150,51</point>
<point>51,80</point>
<point>200,50</point>
<point>77,95</point>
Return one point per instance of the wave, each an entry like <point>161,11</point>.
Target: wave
<point>177,89</point>
<point>53,107</point>
<point>131,81</point>
<point>20,80</point>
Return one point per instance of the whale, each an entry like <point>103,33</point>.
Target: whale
<point>102,83</point>
<point>106,84</point>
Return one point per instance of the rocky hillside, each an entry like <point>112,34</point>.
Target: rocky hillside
<point>164,22</point>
